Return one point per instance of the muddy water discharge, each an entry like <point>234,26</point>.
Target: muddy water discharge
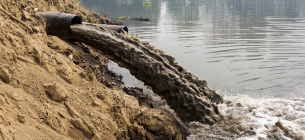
<point>190,97</point>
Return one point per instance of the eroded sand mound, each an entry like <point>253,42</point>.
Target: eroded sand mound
<point>56,89</point>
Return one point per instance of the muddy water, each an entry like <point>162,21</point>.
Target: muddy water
<point>256,119</point>
<point>251,51</point>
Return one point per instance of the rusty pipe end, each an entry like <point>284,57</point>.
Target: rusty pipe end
<point>125,29</point>
<point>117,28</point>
<point>58,24</point>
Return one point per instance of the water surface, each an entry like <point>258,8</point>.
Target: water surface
<point>253,47</point>
<point>251,51</point>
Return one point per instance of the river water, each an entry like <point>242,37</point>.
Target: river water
<point>250,51</point>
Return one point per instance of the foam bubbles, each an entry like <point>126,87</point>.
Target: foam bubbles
<point>255,118</point>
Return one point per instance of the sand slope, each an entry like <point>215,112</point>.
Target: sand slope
<point>57,89</point>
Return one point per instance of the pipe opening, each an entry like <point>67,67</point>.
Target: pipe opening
<point>76,20</point>
<point>125,29</point>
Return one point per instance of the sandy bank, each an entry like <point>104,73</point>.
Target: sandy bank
<point>58,89</point>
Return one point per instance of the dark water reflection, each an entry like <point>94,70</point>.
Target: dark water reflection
<point>252,47</point>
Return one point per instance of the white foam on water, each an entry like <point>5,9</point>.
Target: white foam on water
<point>247,118</point>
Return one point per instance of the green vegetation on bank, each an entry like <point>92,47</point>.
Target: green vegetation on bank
<point>146,4</point>
<point>123,18</point>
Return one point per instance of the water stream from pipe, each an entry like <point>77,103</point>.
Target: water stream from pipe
<point>188,96</point>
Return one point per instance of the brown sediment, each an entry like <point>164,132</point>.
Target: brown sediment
<point>280,125</point>
<point>16,19</point>
<point>190,97</point>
